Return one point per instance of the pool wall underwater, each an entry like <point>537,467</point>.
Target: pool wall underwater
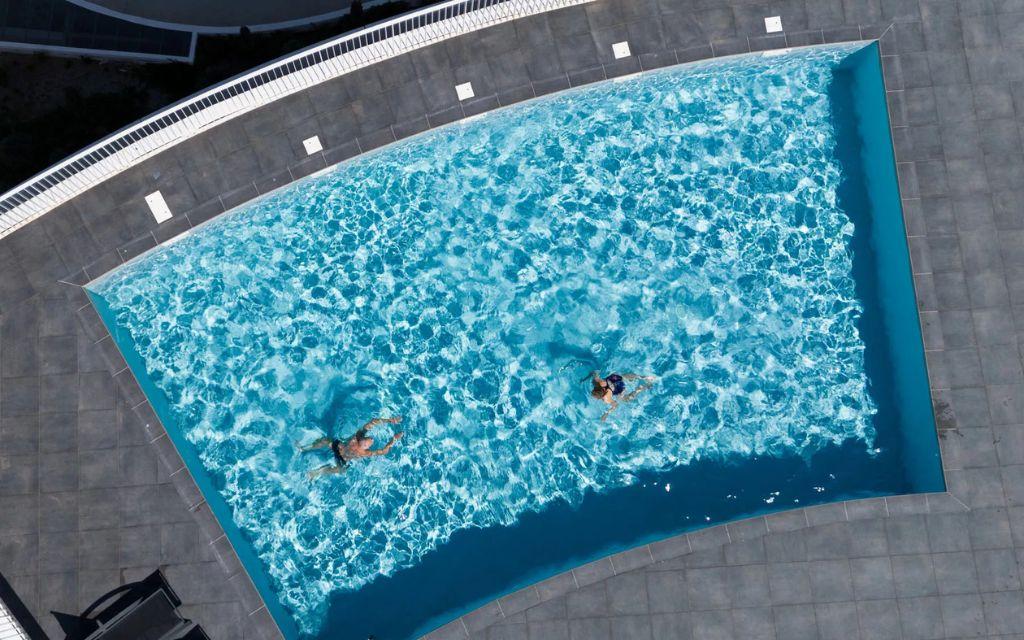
<point>449,581</point>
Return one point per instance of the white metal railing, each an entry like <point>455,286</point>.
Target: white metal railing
<point>231,98</point>
<point>9,627</point>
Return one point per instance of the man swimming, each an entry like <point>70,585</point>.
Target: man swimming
<point>607,389</point>
<point>358,446</point>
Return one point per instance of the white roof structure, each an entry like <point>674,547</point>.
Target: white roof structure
<point>9,627</point>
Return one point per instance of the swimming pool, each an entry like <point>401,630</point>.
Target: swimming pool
<point>731,227</point>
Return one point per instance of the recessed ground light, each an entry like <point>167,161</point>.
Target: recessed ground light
<point>312,145</point>
<point>464,90</point>
<point>621,50</point>
<point>158,206</point>
<point>773,24</point>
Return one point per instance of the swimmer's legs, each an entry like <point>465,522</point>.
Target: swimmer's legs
<point>322,443</point>
<point>326,470</point>
<point>629,396</point>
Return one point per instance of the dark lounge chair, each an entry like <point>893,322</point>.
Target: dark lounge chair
<point>143,610</point>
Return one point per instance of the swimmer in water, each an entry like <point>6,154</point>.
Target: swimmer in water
<point>357,446</point>
<point>610,388</point>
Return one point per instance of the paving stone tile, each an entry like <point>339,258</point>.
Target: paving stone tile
<point>830,580</point>
<point>745,552</point>
<point>556,586</point>
<point>789,546</point>
<point>555,609</point>
<point>593,572</point>
<point>837,620</point>
<point>19,556</point>
<point>957,328</point>
<point>962,615</point>
<point>19,474</point>
<point>588,601</point>
<point>19,397</point>
<point>990,529</point>
<point>921,617</point>
<point>670,626</point>
<point>60,593</point>
<point>865,509</point>
<point>914,576</point>
<point>1004,612</point>
<point>997,570</point>
<point>58,551</point>
<point>748,586</point>
<point>879,619</point>
<point>58,393</point>
<point>948,532</point>
<point>703,559</point>
<point>708,588</point>
<point>21,434</point>
<point>828,541</point>
<point>872,578</point>
<point>669,548</point>
<point>753,622</point>
<point>713,624</point>
<point>951,291</point>
<point>712,537</point>
<point>627,594</point>
<point>966,448</point>
<point>631,559</point>
<point>789,583</point>
<point>98,549</point>
<point>95,391</point>
<point>179,543</point>
<point>907,534</point>
<point>58,512</point>
<point>554,629</point>
<point>785,521</point>
<point>987,288</point>
<point>667,591</point>
<point>97,429</point>
<point>795,621</point>
<point>955,572</point>
<point>631,627</point>
<point>597,628</point>
<point>977,488</point>
<point>1009,444</point>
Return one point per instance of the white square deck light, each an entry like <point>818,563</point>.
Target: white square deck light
<point>621,50</point>
<point>464,90</point>
<point>773,24</point>
<point>312,145</point>
<point>158,206</point>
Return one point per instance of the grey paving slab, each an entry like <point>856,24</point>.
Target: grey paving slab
<point>88,484</point>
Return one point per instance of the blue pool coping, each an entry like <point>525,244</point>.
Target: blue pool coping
<point>895,255</point>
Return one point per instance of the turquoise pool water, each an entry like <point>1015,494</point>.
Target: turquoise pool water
<point>723,226</point>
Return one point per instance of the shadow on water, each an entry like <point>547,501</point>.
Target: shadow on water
<point>854,200</point>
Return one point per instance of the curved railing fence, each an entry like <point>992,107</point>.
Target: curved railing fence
<point>251,90</point>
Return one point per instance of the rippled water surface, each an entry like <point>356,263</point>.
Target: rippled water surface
<point>682,224</point>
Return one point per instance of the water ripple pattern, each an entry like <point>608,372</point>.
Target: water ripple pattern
<point>683,224</point>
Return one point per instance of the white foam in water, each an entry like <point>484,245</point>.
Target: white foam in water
<point>467,279</point>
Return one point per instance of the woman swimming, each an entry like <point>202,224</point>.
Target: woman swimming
<point>608,389</point>
<point>357,446</point>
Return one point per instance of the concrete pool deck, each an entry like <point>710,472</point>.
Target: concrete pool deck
<point>93,494</point>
